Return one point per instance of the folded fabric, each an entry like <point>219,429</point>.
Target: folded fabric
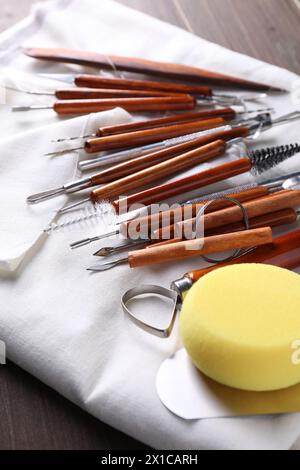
<point>59,323</point>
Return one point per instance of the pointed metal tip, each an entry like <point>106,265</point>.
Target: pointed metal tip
<point>80,243</point>
<point>39,197</point>
<point>62,152</point>
<point>105,265</point>
<point>101,252</point>
<point>16,109</point>
<point>73,206</point>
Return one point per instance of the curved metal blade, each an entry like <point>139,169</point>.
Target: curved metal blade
<point>104,265</point>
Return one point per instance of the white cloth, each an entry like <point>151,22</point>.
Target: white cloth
<point>59,323</point>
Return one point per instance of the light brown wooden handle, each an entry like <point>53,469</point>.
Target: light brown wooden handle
<point>156,172</point>
<point>226,113</point>
<point>190,248</point>
<point>162,219</point>
<point>264,254</point>
<point>184,185</point>
<point>132,64</point>
<point>74,107</point>
<point>272,219</point>
<point>265,205</point>
<point>136,164</point>
<point>93,93</point>
<point>148,136</point>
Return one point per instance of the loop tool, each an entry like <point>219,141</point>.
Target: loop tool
<point>281,252</point>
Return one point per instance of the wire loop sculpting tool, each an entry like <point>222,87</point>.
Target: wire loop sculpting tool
<point>281,252</point>
<point>262,204</point>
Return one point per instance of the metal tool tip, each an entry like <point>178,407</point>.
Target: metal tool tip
<point>62,152</point>
<point>73,206</point>
<point>16,109</point>
<point>79,244</point>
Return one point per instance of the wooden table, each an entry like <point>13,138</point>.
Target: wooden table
<point>31,415</point>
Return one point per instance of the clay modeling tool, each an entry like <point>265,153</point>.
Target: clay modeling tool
<point>251,129</point>
<point>191,141</point>
<point>126,168</point>
<point>227,220</point>
<point>135,164</point>
<point>203,93</point>
<point>257,203</point>
<point>96,213</point>
<point>279,253</point>
<point>144,66</point>
<point>87,106</point>
<point>150,136</point>
<point>231,215</point>
<point>272,219</point>
<point>146,136</point>
<point>94,93</point>
<point>189,248</point>
<point>159,215</point>
<point>228,114</point>
<point>257,162</point>
<point>177,164</point>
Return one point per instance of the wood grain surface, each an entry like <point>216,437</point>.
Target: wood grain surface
<point>31,415</point>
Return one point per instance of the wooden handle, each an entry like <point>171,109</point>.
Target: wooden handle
<point>184,185</point>
<point>179,102</point>
<point>136,164</point>
<point>226,113</point>
<point>130,64</point>
<point>148,136</point>
<point>160,170</point>
<point>272,219</point>
<point>156,222</point>
<point>275,219</point>
<point>145,161</point>
<point>94,81</point>
<point>264,205</point>
<point>290,260</point>
<point>92,93</point>
<point>189,248</point>
<point>264,254</point>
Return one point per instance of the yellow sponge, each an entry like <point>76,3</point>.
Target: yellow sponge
<point>241,326</point>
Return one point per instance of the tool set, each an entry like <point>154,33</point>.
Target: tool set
<point>251,129</point>
<point>260,212</point>
<point>185,249</point>
<point>260,162</point>
<point>228,114</point>
<point>136,155</point>
<point>281,188</point>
